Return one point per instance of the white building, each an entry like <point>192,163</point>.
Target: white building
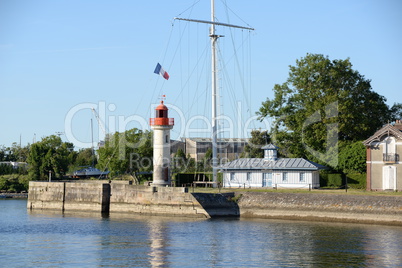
<point>15,165</point>
<point>271,171</point>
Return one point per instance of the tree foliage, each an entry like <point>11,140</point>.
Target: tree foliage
<point>15,153</point>
<point>322,102</point>
<point>127,152</point>
<point>253,148</point>
<point>49,155</point>
<point>352,157</point>
<point>85,157</point>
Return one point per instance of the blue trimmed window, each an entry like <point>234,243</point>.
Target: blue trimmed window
<point>302,177</point>
<point>232,176</point>
<point>284,176</point>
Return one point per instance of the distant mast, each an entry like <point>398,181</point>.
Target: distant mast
<point>214,39</point>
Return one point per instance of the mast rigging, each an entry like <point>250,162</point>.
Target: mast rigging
<point>214,39</point>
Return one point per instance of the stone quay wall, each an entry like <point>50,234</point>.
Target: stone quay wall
<point>152,200</point>
<point>68,196</point>
<point>122,197</point>
<point>321,207</point>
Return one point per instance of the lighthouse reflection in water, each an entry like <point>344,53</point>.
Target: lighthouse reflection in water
<point>53,239</point>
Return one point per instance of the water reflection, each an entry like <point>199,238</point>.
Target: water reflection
<point>52,239</point>
<point>158,241</point>
<point>383,246</point>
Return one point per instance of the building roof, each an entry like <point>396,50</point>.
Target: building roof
<point>162,106</point>
<point>279,164</point>
<point>269,147</point>
<point>385,131</point>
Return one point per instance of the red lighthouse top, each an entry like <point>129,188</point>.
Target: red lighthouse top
<point>161,116</point>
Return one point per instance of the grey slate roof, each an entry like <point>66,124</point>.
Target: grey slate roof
<point>269,147</point>
<point>279,164</point>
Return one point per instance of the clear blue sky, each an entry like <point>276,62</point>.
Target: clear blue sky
<point>59,58</point>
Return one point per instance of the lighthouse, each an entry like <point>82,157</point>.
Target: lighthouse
<point>161,126</point>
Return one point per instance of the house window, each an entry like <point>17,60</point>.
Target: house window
<point>232,176</point>
<point>167,138</point>
<point>284,176</point>
<point>302,177</point>
<point>248,176</point>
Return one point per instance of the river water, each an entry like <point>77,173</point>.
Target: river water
<point>52,239</point>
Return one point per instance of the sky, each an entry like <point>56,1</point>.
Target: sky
<point>62,62</point>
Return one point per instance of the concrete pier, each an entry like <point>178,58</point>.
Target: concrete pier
<point>121,197</point>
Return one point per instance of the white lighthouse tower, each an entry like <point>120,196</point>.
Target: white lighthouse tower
<point>161,125</point>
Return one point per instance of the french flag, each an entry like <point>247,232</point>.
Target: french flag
<point>159,70</point>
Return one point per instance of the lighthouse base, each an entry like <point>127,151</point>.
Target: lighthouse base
<point>160,183</point>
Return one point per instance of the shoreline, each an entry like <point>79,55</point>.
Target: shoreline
<point>321,207</point>
<point>122,197</point>
<point>14,195</point>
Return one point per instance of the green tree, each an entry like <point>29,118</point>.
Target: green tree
<point>253,148</point>
<point>85,157</point>
<point>321,102</point>
<point>352,157</point>
<point>206,163</point>
<point>127,152</point>
<point>396,111</point>
<point>179,161</point>
<point>49,155</point>
<point>180,154</point>
<point>15,153</point>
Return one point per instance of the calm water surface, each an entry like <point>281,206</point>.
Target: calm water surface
<point>38,239</point>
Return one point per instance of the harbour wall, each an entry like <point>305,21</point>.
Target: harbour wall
<point>122,197</point>
<point>321,207</point>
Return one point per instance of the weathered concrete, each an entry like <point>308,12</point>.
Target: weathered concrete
<point>118,197</point>
<point>169,201</point>
<point>154,200</point>
<point>321,207</point>
<point>44,195</point>
<point>69,196</point>
<point>87,196</point>
<point>122,197</point>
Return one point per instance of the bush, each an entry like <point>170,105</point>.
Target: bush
<point>14,183</point>
<point>324,178</point>
<point>335,180</point>
<point>188,178</point>
<point>357,180</point>
<point>4,184</point>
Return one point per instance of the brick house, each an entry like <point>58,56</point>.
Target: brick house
<point>384,171</point>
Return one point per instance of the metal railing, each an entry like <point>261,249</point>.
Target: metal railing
<point>390,158</point>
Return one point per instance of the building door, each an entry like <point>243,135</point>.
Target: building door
<point>389,178</point>
<point>267,179</point>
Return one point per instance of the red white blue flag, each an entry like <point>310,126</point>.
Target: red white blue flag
<point>159,70</point>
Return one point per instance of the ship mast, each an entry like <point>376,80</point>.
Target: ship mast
<point>214,39</point>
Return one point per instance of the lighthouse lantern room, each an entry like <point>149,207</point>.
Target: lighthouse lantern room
<point>161,126</point>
